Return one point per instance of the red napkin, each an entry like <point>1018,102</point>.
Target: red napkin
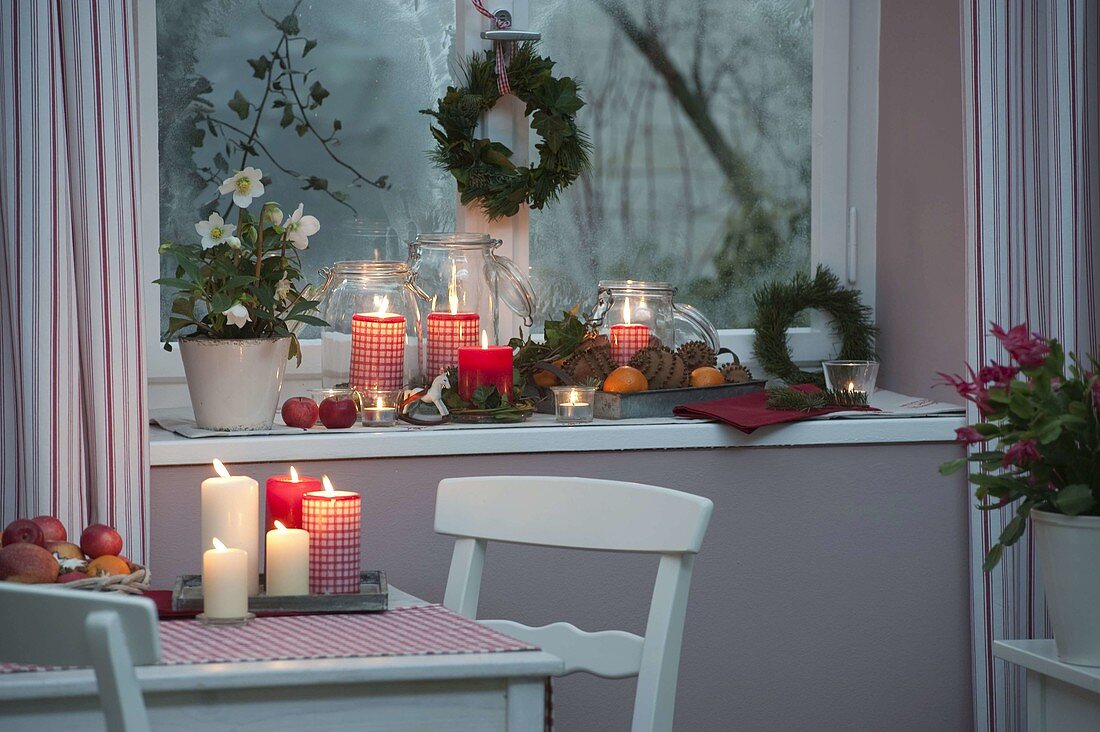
<point>750,411</point>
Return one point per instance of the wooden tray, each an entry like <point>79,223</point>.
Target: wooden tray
<point>373,597</point>
<point>659,403</point>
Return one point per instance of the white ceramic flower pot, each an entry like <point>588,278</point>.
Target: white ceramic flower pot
<point>234,384</point>
<point>1069,555</point>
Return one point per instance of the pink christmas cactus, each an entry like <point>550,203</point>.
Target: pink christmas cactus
<point>1037,444</point>
<point>1028,349</point>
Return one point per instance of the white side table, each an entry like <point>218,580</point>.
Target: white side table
<point>1060,697</point>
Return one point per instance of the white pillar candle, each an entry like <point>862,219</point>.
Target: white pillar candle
<point>287,561</point>
<point>224,582</point>
<point>231,511</point>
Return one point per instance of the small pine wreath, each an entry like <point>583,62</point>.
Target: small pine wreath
<point>777,305</point>
<point>483,168</point>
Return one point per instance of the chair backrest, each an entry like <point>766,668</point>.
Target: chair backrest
<point>584,513</point>
<point>54,626</point>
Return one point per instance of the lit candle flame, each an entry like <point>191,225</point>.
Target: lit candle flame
<point>382,303</point>
<point>329,490</point>
<point>452,289</point>
<point>378,403</point>
<point>219,546</point>
<point>279,525</point>
<point>574,397</point>
<point>626,311</point>
<point>220,468</point>
<point>293,475</point>
<point>851,386</point>
<point>484,339</point>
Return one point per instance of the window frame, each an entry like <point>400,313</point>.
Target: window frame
<point>843,177</point>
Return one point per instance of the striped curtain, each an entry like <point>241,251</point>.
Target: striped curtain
<point>72,375</point>
<point>1033,177</point>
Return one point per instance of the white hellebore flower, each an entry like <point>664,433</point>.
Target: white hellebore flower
<point>215,231</point>
<point>237,315</point>
<point>234,242</point>
<point>299,228</point>
<point>282,291</point>
<point>244,186</point>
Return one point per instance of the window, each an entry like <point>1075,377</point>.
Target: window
<point>769,102</point>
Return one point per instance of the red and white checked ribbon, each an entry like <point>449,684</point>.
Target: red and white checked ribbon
<point>503,48</point>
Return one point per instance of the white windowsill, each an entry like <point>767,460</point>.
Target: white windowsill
<point>542,435</point>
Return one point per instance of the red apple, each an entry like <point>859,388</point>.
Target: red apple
<point>71,577</point>
<point>24,531</point>
<point>338,412</point>
<point>64,550</point>
<point>100,539</point>
<point>52,529</point>
<point>300,412</point>
<point>27,563</point>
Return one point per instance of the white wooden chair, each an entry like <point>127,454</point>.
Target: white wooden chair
<point>583,513</point>
<point>52,626</point>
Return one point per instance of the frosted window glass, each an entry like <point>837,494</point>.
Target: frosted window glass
<point>380,60</point>
<point>701,172</point>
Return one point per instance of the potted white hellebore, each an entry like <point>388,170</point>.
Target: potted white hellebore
<point>239,306</point>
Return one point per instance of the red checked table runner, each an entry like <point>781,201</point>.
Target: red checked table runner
<point>415,631</point>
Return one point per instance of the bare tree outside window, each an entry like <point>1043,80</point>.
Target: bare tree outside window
<point>699,112</point>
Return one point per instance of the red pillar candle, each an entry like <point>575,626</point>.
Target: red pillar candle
<point>332,519</point>
<point>447,332</point>
<point>284,498</point>
<point>377,351</point>
<point>484,366</point>
<point>626,340</point>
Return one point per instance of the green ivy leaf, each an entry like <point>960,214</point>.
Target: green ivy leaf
<point>301,129</point>
<point>287,118</point>
<point>289,25</point>
<point>318,93</point>
<point>1073,500</point>
<point>486,397</point>
<point>197,137</point>
<point>337,125</point>
<point>310,45</point>
<point>260,66</point>
<point>239,105</point>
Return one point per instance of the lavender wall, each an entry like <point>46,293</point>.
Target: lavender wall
<point>831,592</point>
<point>921,266</point>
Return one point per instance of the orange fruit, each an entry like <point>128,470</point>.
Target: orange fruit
<point>107,564</point>
<point>546,379</point>
<point>625,380</point>
<point>707,376</point>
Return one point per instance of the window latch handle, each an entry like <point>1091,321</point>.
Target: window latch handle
<point>510,35</point>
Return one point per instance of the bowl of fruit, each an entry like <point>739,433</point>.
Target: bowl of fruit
<point>38,551</point>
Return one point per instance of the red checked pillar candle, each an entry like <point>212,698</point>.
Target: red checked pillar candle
<point>284,498</point>
<point>447,332</point>
<point>332,519</point>
<point>378,349</point>
<point>627,338</point>
<point>484,366</point>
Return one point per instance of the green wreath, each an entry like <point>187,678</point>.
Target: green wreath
<point>777,305</point>
<point>483,168</point>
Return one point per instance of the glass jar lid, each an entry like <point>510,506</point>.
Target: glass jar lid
<point>457,239</point>
<point>637,286</point>
<point>371,267</point>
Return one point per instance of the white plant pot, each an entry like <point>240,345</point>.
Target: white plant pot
<point>1069,557</point>
<point>234,384</point>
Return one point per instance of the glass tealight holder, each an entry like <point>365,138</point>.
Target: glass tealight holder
<point>380,408</point>
<point>574,404</point>
<point>857,377</point>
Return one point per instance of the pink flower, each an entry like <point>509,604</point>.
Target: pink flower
<point>972,391</point>
<point>997,374</point>
<point>1029,350</point>
<point>968,435</point>
<point>1022,453</point>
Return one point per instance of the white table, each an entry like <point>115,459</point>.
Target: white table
<point>483,691</point>
<point>1061,697</point>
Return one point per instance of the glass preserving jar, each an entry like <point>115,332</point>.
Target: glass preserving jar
<point>374,315</point>
<point>632,313</point>
<point>465,283</point>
